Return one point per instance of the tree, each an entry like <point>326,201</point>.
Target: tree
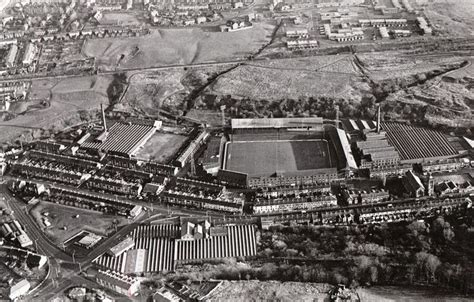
<point>432,264</point>
<point>374,274</point>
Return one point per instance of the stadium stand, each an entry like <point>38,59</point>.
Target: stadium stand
<point>275,123</point>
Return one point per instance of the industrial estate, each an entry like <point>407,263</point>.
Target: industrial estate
<point>133,175</point>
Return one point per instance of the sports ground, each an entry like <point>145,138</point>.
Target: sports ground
<point>265,158</point>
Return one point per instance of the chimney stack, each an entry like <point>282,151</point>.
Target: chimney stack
<point>103,117</point>
<point>378,118</point>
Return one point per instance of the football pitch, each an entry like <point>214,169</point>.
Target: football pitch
<point>265,158</point>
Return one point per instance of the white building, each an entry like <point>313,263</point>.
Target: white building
<point>118,282</point>
<point>19,289</point>
<point>24,240</point>
<point>30,54</point>
<point>11,56</point>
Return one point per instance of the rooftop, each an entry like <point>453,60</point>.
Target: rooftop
<point>248,123</point>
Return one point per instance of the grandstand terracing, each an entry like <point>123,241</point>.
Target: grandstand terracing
<point>416,143</point>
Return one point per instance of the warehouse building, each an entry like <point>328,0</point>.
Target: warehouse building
<point>152,252</point>
<point>11,56</point>
<point>416,144</point>
<point>121,247</point>
<point>237,241</point>
<point>122,138</point>
<point>19,289</point>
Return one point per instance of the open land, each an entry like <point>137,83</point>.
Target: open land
<point>270,291</point>
<point>407,294</point>
<point>452,17</point>
<point>333,76</point>
<point>264,158</point>
<point>148,92</point>
<point>113,18</point>
<point>54,103</point>
<point>449,98</point>
<point>63,216</point>
<point>177,46</point>
<point>399,64</point>
<point>161,147</point>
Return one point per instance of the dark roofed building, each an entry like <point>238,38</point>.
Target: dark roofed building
<point>232,178</point>
<point>413,185</point>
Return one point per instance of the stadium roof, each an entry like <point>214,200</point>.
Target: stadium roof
<point>346,147</point>
<point>300,122</point>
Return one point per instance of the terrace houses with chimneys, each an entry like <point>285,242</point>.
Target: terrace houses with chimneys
<point>262,206</point>
<point>360,197</point>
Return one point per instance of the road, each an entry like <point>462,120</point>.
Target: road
<point>42,243</point>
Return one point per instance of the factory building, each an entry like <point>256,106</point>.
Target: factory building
<point>11,56</point>
<point>118,282</point>
<point>30,53</point>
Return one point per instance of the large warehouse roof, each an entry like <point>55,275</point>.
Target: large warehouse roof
<point>121,137</point>
<point>299,122</point>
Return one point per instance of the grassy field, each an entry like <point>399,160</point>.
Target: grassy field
<point>177,46</point>
<point>114,18</point>
<point>161,146</point>
<point>448,98</point>
<point>60,101</point>
<point>333,76</point>
<point>264,158</point>
<point>395,64</point>
<point>61,216</point>
<point>451,17</point>
<point>407,294</point>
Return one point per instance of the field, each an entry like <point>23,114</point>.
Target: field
<point>150,91</point>
<point>451,17</point>
<point>264,158</point>
<point>113,18</point>
<point>448,98</point>
<point>270,291</point>
<point>396,64</point>
<point>54,104</point>
<point>334,76</point>
<point>407,294</point>
<point>161,147</point>
<point>176,46</point>
<point>61,216</point>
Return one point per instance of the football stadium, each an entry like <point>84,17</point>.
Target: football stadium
<point>284,151</point>
<point>266,158</point>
